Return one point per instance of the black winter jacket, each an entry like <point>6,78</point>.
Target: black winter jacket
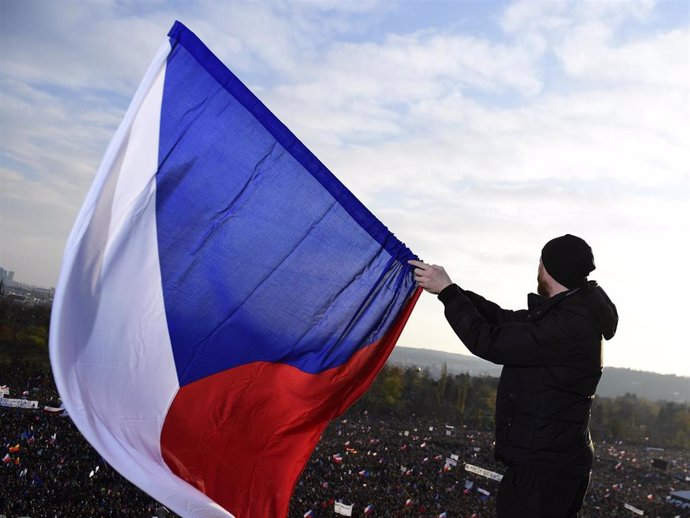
<point>551,354</point>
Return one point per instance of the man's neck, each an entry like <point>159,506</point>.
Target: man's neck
<point>555,289</point>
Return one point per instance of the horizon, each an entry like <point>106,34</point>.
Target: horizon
<point>470,355</point>
<point>476,131</point>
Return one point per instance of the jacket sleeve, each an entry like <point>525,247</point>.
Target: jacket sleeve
<point>491,311</point>
<point>497,336</point>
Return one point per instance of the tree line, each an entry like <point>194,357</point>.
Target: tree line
<point>461,399</point>
<point>24,331</point>
<point>458,399</point>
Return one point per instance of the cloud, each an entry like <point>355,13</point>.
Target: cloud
<point>589,54</point>
<point>474,145</point>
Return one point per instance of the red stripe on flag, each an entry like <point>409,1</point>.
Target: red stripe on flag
<point>244,435</point>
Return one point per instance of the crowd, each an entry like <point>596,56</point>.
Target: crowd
<point>381,467</point>
<point>48,468</point>
<point>400,469</point>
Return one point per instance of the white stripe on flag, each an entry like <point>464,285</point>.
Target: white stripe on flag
<point>110,349</point>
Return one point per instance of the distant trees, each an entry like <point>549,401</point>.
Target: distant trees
<point>461,399</point>
<point>457,399</point>
<point>640,421</point>
<point>23,330</point>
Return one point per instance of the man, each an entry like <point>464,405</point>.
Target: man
<point>551,354</point>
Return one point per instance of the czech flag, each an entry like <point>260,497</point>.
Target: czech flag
<point>222,295</point>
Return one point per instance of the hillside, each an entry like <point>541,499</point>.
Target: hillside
<point>614,382</point>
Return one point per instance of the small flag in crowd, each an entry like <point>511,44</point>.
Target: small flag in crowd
<point>369,509</point>
<point>14,449</point>
<point>483,494</point>
<point>309,514</point>
<point>337,458</point>
<point>443,515</point>
<point>408,502</point>
<point>7,458</point>
<point>342,508</point>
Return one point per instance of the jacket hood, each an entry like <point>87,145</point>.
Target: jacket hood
<point>597,301</point>
<point>603,310</point>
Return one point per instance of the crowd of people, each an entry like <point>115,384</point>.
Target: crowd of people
<point>401,468</point>
<point>48,468</point>
<point>381,467</point>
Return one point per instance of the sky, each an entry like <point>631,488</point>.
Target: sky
<point>475,130</point>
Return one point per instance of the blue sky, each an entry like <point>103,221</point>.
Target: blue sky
<point>475,130</point>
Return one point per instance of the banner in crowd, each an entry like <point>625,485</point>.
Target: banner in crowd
<point>342,509</point>
<point>18,403</point>
<point>253,279</point>
<point>483,472</point>
<point>635,510</point>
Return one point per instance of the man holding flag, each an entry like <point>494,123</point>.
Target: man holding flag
<point>551,354</point>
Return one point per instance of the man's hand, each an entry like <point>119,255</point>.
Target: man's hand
<point>431,277</point>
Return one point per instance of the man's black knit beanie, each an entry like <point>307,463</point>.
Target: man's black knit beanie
<point>568,259</point>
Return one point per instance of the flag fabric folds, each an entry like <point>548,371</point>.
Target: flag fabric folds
<point>222,295</point>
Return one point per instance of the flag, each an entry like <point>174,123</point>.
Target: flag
<point>309,514</point>
<point>15,448</point>
<point>443,515</point>
<point>342,508</point>
<point>337,458</point>
<point>222,295</point>
<point>408,502</point>
<point>7,458</point>
<point>483,494</point>
<point>369,509</point>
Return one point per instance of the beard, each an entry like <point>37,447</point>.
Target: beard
<point>541,287</point>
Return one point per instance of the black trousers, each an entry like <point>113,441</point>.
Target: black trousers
<point>530,493</point>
